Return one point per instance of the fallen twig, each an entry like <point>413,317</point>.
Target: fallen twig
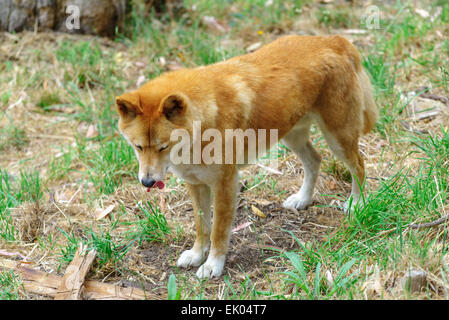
<point>418,225</point>
<point>429,224</point>
<point>72,284</point>
<point>39,282</point>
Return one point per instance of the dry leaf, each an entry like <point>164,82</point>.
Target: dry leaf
<point>91,131</point>
<point>101,213</point>
<point>373,286</point>
<point>258,212</point>
<point>263,202</point>
<point>242,226</point>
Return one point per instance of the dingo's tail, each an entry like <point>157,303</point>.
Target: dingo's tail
<point>370,112</point>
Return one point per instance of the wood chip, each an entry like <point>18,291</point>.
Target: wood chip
<point>71,286</point>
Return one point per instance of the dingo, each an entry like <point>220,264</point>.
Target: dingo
<point>284,86</point>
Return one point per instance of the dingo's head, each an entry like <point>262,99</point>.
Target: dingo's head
<point>146,121</point>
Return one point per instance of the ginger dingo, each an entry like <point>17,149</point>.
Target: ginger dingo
<point>283,86</point>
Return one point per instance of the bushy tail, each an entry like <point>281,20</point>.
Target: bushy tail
<point>370,112</point>
<point>369,108</point>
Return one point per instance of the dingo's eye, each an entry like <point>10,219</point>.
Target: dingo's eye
<point>139,148</point>
<point>163,148</point>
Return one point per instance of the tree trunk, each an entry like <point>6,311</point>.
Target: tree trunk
<point>74,16</point>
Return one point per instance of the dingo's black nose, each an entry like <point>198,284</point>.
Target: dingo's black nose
<point>148,182</point>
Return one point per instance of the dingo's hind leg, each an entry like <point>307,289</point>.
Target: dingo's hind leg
<point>344,143</point>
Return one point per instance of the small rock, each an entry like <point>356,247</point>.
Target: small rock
<point>423,13</point>
<point>414,281</point>
<point>91,131</point>
<point>162,62</point>
<point>213,24</point>
<point>254,47</point>
<point>355,31</point>
<point>140,81</point>
<point>173,66</point>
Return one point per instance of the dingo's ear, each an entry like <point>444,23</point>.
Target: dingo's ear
<point>174,106</point>
<point>128,105</point>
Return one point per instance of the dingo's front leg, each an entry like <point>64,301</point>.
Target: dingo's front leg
<point>201,199</point>
<point>225,194</point>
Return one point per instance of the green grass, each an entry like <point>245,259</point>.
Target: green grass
<point>111,246</point>
<point>399,201</point>
<point>172,292</point>
<point>87,63</point>
<point>336,18</point>
<point>15,190</point>
<point>48,99</point>
<point>316,287</point>
<point>107,166</point>
<point>4,97</point>
<point>336,168</point>
<point>110,250</point>
<point>10,286</point>
<point>12,137</point>
<point>152,226</point>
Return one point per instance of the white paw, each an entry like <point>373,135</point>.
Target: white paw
<point>351,204</point>
<point>212,267</point>
<point>297,201</point>
<point>190,258</point>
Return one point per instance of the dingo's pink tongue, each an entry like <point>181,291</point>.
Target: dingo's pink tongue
<point>158,184</point>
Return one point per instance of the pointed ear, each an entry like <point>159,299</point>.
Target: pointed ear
<point>174,107</point>
<point>128,105</point>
